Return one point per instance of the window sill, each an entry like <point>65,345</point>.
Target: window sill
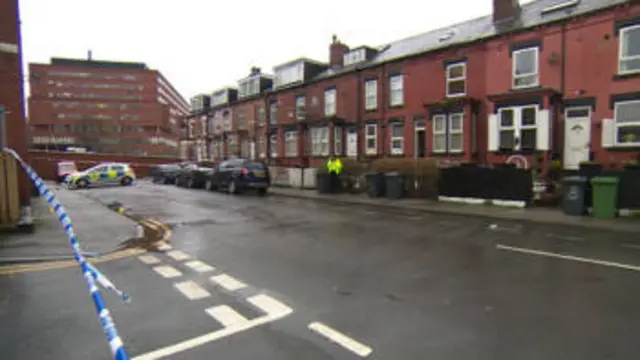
<point>447,153</point>
<point>400,106</point>
<point>624,147</point>
<point>625,76</point>
<point>370,110</point>
<point>455,96</point>
<point>524,88</point>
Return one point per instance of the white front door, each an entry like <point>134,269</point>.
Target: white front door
<point>577,136</point>
<point>352,143</point>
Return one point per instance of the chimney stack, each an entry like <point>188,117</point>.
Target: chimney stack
<point>255,70</point>
<point>505,11</point>
<point>336,52</point>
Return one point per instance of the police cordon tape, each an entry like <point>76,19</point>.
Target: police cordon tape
<point>91,274</point>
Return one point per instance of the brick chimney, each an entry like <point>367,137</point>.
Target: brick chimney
<point>336,52</point>
<point>505,10</point>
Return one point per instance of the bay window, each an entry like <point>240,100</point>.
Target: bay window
<point>273,145</point>
<point>629,52</point>
<point>330,102</point>
<point>319,141</point>
<point>397,138</point>
<point>371,138</point>
<point>290,144</point>
<point>526,68</point>
<point>520,128</point>
<point>448,133</point>
<point>396,90</point>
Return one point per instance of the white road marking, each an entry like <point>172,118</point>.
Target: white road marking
<point>341,339</point>
<point>228,282</point>
<point>269,305</point>
<point>178,255</point>
<point>226,315</point>
<point>149,259</point>
<point>569,257</point>
<point>199,266</point>
<point>192,290</point>
<point>631,246</point>
<point>565,237</point>
<point>163,247</point>
<point>212,336</point>
<point>167,271</point>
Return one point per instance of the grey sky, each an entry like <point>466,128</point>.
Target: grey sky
<point>202,45</point>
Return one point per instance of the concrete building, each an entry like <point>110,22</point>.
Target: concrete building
<point>11,86</point>
<point>104,107</point>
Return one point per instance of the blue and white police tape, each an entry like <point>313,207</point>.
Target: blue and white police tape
<point>90,273</point>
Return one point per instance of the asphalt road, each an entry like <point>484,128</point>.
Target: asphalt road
<point>279,278</point>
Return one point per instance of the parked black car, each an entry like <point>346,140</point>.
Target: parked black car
<point>167,173</point>
<point>195,175</point>
<point>237,175</point>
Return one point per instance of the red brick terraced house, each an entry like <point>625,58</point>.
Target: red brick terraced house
<point>549,80</point>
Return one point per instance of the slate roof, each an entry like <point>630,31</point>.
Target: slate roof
<point>474,30</point>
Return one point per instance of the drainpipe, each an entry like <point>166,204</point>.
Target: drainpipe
<point>359,118</point>
<point>3,129</point>
<point>384,81</point>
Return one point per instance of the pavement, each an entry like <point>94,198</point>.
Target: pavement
<point>535,215</point>
<point>247,277</point>
<point>99,230</point>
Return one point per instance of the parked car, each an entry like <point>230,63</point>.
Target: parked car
<point>194,176</point>
<point>167,173</point>
<point>237,175</point>
<point>64,169</point>
<point>102,175</point>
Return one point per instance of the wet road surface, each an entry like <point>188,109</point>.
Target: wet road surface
<point>280,278</point>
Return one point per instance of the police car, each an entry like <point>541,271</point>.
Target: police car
<point>104,174</point>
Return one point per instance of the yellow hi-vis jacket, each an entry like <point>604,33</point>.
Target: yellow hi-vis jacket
<point>334,166</point>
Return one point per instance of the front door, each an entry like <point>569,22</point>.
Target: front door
<point>420,140</point>
<point>577,137</point>
<point>352,143</point>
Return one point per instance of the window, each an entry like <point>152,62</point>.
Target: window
<point>260,146</point>
<point>288,74</point>
<point>337,141</point>
<point>397,139</point>
<point>627,123</point>
<point>629,50</point>
<point>525,68</point>
<point>371,137</point>
<point>290,144</point>
<point>518,128</point>
<point>273,145</point>
<point>300,107</point>
<point>354,57</point>
<point>320,141</point>
<point>396,90</point>
<point>455,139</point>
<point>261,115</point>
<point>240,120</point>
<point>439,133</point>
<point>457,79</point>
<point>371,94</point>
<point>329,102</point>
<point>273,113</point>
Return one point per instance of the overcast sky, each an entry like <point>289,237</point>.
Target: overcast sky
<point>203,45</point>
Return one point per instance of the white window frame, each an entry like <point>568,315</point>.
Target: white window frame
<point>536,73</point>
<point>337,141</point>
<point>621,58</point>
<point>290,144</point>
<point>462,78</point>
<point>396,90</point>
<point>330,102</point>
<point>452,131</point>
<point>618,125</point>
<point>371,94</point>
<point>301,103</point>
<point>439,133</point>
<point>392,138</point>
<point>517,126</point>
<point>371,150</point>
<point>273,145</point>
<point>319,137</point>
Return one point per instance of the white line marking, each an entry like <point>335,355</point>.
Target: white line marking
<point>163,247</point>
<point>207,338</point>
<point>149,259</point>
<point>199,266</point>
<point>167,271</point>
<point>631,246</point>
<point>569,257</point>
<point>226,315</point>
<point>270,305</point>
<point>228,282</point>
<point>178,255</point>
<point>565,237</point>
<point>341,339</point>
<point>192,290</point>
